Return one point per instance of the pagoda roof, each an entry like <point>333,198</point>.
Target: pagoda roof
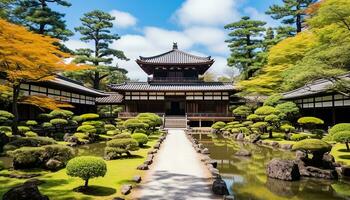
<point>174,58</point>
<point>178,87</point>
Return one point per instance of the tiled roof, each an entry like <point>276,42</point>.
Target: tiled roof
<point>113,98</point>
<point>144,86</point>
<point>318,86</point>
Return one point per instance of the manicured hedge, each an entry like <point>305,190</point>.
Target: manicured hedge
<point>339,127</point>
<point>141,138</point>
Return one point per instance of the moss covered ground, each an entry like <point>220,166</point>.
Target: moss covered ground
<point>60,186</point>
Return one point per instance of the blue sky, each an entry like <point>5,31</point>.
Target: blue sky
<point>149,27</point>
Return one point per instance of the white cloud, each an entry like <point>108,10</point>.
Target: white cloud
<point>220,68</point>
<point>123,19</point>
<point>256,15</point>
<point>207,12</point>
<point>77,44</point>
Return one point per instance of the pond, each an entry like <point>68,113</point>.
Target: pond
<point>95,149</point>
<point>246,177</point>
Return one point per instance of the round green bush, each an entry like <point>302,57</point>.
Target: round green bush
<point>60,113</point>
<point>247,123</point>
<point>339,128</point>
<point>242,111</point>
<point>310,120</point>
<point>89,116</point>
<point>218,125</point>
<point>113,132</point>
<point>31,123</point>
<point>30,134</point>
<point>233,123</point>
<point>46,125</point>
<point>287,128</point>
<point>235,130</point>
<point>110,127</point>
<point>117,147</point>
<point>27,157</point>
<point>87,129</point>
<point>77,118</point>
<point>96,124</point>
<point>288,109</point>
<point>312,145</point>
<point>58,122</point>
<point>122,135</point>
<point>86,167</point>
<point>23,129</point>
<point>133,124</point>
<point>59,152</point>
<point>273,100</point>
<point>141,138</point>
<point>5,114</point>
<point>81,136</point>
<point>151,119</point>
<point>266,110</point>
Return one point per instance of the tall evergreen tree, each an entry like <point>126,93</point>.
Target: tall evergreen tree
<point>291,12</point>
<point>96,27</point>
<point>5,7</point>
<point>244,44</point>
<point>40,18</point>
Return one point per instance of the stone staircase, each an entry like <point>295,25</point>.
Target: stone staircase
<point>175,122</point>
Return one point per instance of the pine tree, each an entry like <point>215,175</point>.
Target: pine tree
<point>291,12</point>
<point>96,27</point>
<point>5,7</point>
<point>40,18</point>
<point>244,44</point>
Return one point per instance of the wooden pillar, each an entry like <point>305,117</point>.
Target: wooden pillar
<point>200,122</point>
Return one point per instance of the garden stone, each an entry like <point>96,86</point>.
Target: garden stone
<point>24,192</point>
<point>213,163</point>
<point>156,146</point>
<point>230,197</point>
<point>315,172</point>
<point>345,171</point>
<point>21,176</point>
<point>148,161</point>
<point>34,181</point>
<point>255,138</point>
<point>205,151</point>
<point>243,152</point>
<point>137,179</point>
<point>274,144</point>
<point>126,189</point>
<point>142,167</point>
<point>328,161</point>
<point>240,137</point>
<point>66,137</point>
<point>200,146</point>
<point>286,146</point>
<point>72,139</point>
<point>300,155</point>
<point>54,165</point>
<point>219,187</point>
<point>283,169</point>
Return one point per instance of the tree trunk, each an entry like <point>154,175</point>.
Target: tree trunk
<point>347,145</point>
<point>42,25</point>
<point>16,89</point>
<point>97,81</point>
<point>298,20</point>
<point>270,134</point>
<point>86,183</point>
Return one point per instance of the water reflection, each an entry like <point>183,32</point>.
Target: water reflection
<point>247,180</point>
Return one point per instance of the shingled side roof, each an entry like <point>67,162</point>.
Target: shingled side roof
<point>144,86</point>
<point>112,98</point>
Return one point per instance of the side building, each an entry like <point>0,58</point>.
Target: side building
<point>318,99</point>
<point>174,88</point>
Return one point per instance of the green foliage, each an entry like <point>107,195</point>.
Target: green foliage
<point>133,124</point>
<point>153,120</point>
<point>59,152</point>
<point>117,147</point>
<point>260,125</point>
<point>272,118</point>
<point>310,121</point>
<point>218,125</point>
<point>110,127</point>
<point>45,117</point>
<point>254,117</point>
<point>23,129</point>
<point>247,123</point>
<point>86,167</point>
<point>233,123</point>
<point>96,27</point>
<point>122,136</point>
<point>302,136</point>
<point>58,122</point>
<point>287,128</point>
<point>28,157</point>
<point>339,128</point>
<point>30,142</point>
<point>113,132</point>
<point>242,111</point>
<point>243,47</point>
<point>273,100</point>
<point>89,129</point>
<point>89,116</point>
<point>5,129</point>
<point>266,110</point>
<point>141,138</point>
<point>343,137</point>
<point>99,126</point>
<point>312,145</point>
<point>46,125</point>
<point>1,165</point>
<point>31,123</point>
<point>289,110</point>
<point>77,119</point>
<point>60,113</point>
<point>81,136</point>
<point>6,115</point>
<point>30,134</point>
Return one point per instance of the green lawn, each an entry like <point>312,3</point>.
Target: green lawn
<point>60,186</point>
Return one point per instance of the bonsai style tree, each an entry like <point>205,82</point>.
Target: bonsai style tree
<point>310,122</point>
<point>273,121</point>
<point>117,147</point>
<point>86,167</point>
<point>153,120</point>
<point>288,110</point>
<point>217,126</point>
<point>339,127</point>
<point>273,100</point>
<point>133,124</point>
<point>266,110</point>
<point>254,117</point>
<point>343,137</point>
<point>242,112</point>
<point>315,146</point>
<point>262,126</point>
<point>60,113</point>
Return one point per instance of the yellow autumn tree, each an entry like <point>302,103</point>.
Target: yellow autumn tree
<point>280,58</point>
<point>29,57</point>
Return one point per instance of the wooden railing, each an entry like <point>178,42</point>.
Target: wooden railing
<point>134,114</point>
<point>189,115</point>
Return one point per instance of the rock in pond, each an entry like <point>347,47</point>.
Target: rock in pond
<point>24,192</point>
<point>286,146</point>
<point>126,189</point>
<point>219,187</point>
<point>137,179</point>
<point>315,172</point>
<point>283,169</point>
<point>142,167</point>
<point>243,152</point>
<point>205,151</point>
<point>240,137</point>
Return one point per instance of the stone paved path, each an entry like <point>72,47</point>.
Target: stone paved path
<point>177,172</point>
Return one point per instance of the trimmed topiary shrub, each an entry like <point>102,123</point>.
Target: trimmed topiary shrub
<point>60,113</point>
<point>77,119</point>
<point>30,134</point>
<point>113,132</point>
<point>5,116</point>
<point>247,123</point>
<point>89,116</point>
<point>288,110</point>
<point>45,117</point>
<point>133,124</point>
<point>122,135</point>
<point>5,129</point>
<point>110,127</point>
<point>310,121</point>
<point>262,126</point>
<point>233,123</point>
<point>2,166</point>
<point>266,110</point>
<point>28,157</point>
<point>254,117</point>
<point>302,136</point>
<point>23,129</point>
<point>217,126</point>
<point>153,120</point>
<point>31,123</point>
<point>99,126</point>
<point>273,100</point>
<point>342,137</point>
<point>141,138</point>
<point>287,128</point>
<point>58,122</point>
<point>29,142</point>
<point>242,111</point>
<point>58,152</point>
<point>315,146</point>
<point>339,128</point>
<point>46,125</point>
<point>82,137</point>
<point>116,147</point>
<point>86,167</point>
<point>87,129</point>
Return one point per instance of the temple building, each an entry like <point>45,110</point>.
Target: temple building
<point>174,89</point>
